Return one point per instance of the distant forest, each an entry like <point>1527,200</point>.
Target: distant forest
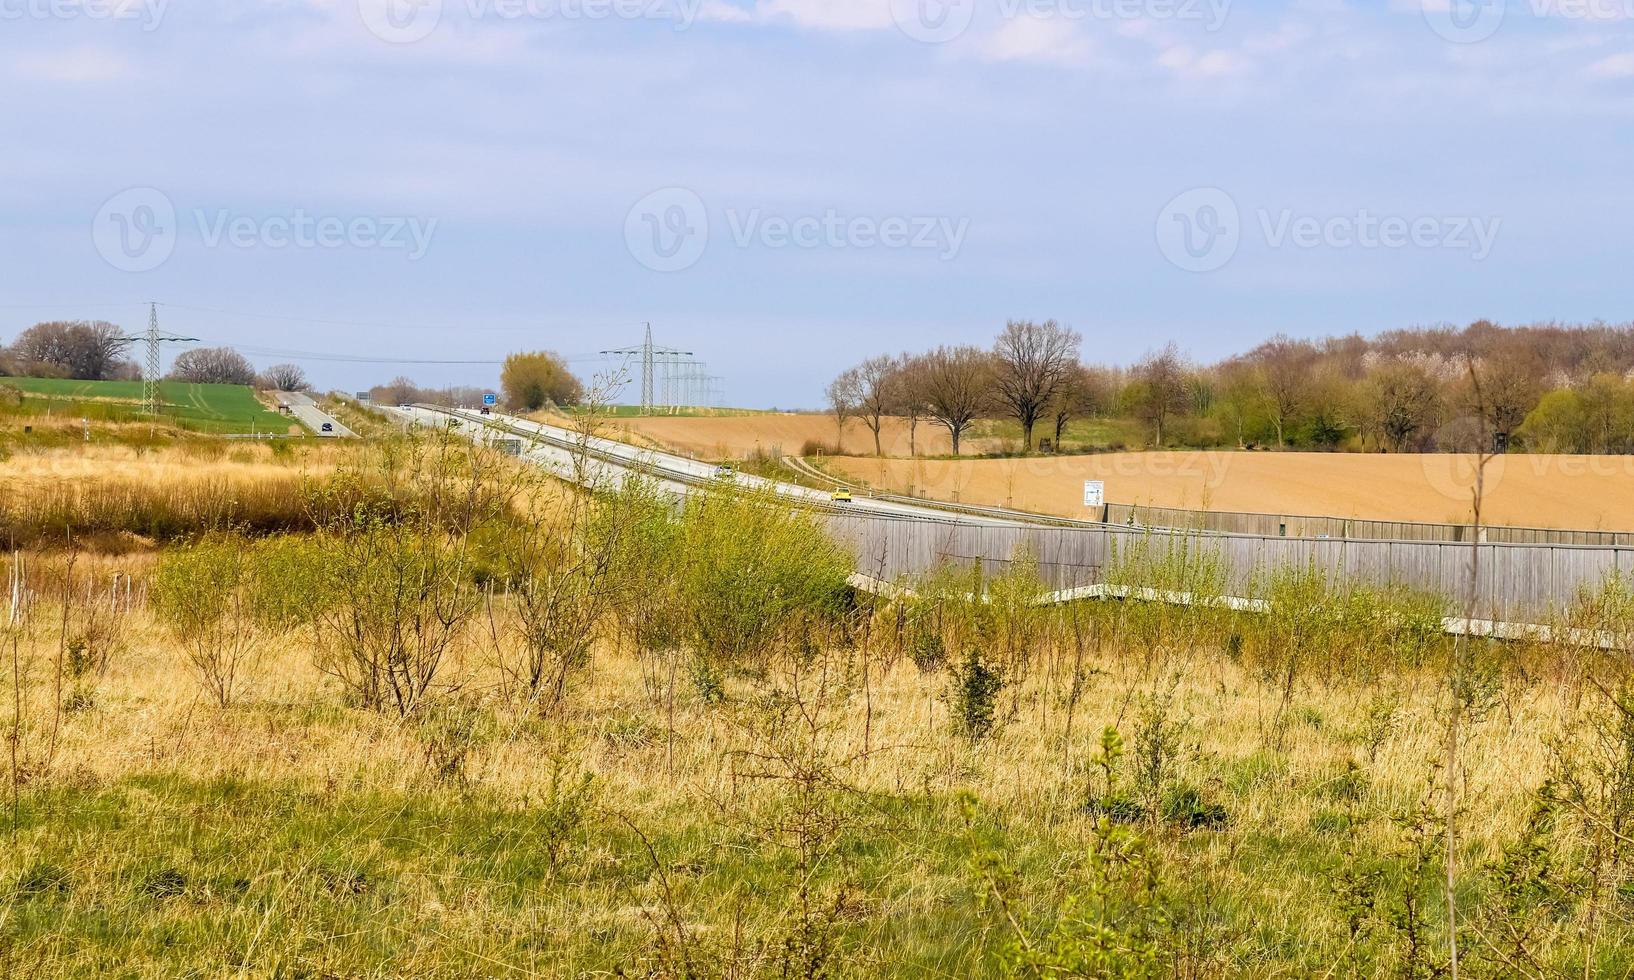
<point>1545,387</point>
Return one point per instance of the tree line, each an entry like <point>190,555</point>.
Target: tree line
<point>96,350</point>
<point>85,350</point>
<point>1541,388</point>
<point>528,381</point>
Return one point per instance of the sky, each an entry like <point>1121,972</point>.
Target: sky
<point>786,187</point>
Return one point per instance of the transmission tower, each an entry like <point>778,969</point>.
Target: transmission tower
<point>653,361</point>
<point>150,375</point>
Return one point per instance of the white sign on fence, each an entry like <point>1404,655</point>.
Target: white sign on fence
<point>1094,493</point>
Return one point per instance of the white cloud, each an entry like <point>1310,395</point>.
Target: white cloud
<point>1286,38</point>
<point>1187,62</point>
<point>721,12</point>
<point>829,15</point>
<point>1037,39</point>
<point>1616,66</point>
<point>76,66</point>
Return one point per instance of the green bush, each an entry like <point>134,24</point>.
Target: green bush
<point>750,567</point>
<point>205,593</point>
<point>976,687</point>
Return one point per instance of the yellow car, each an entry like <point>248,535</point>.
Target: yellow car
<point>842,496</point>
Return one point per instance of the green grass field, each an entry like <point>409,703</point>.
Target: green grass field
<point>203,408</point>
<point>1080,433</point>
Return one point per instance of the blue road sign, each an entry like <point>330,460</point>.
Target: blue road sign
<point>490,400</point>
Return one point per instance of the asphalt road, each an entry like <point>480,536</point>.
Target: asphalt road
<point>307,412</point>
<point>558,449</point>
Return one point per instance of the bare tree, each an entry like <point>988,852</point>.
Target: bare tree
<point>1031,361</point>
<point>213,365</point>
<point>86,350</point>
<point>1284,376</point>
<point>1503,388</point>
<point>1160,390</point>
<point>285,377</point>
<point>1402,399</point>
<point>1084,392</point>
<point>844,395</point>
<point>877,379</point>
<point>44,345</point>
<point>910,396</point>
<point>398,391</point>
<point>1241,395</point>
<point>956,385</point>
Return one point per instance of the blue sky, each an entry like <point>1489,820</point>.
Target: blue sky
<point>787,186</point>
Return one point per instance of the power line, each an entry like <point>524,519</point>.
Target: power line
<point>305,355</point>
<point>326,322</point>
<point>301,355</point>
<point>315,321</point>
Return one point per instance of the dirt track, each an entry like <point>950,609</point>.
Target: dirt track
<point>1578,492</point>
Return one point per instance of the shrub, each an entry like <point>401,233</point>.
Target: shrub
<point>205,594</point>
<point>644,578</point>
<point>559,570</point>
<point>975,693</point>
<point>396,570</point>
<point>751,566</point>
<point>1116,926</point>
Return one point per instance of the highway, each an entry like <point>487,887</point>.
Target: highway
<point>592,460</point>
<point>310,415</point>
<point>564,452</point>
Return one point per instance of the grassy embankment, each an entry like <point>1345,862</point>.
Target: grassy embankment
<point>190,407</point>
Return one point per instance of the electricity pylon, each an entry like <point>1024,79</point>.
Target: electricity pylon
<point>651,357</point>
<point>150,374</point>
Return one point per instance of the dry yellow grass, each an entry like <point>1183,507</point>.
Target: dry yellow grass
<point>1577,492</point>
<point>120,497</point>
<point>151,731</point>
<point>249,462</point>
<point>151,716</point>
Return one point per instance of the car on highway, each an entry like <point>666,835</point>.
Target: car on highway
<point>328,428</point>
<point>841,496</point>
<point>724,472</point>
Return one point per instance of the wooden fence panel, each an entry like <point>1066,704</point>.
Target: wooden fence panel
<point>1312,526</point>
<point>1515,581</point>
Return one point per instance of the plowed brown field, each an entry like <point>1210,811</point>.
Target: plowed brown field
<point>1575,492</point>
<point>736,437</point>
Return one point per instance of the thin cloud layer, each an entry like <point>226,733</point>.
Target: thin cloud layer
<point>1052,134</point>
